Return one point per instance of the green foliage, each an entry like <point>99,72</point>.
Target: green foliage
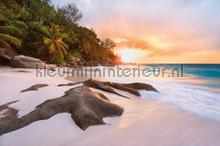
<point>75,53</point>
<point>71,12</point>
<point>7,40</point>
<point>10,30</point>
<point>107,44</point>
<point>56,48</point>
<point>10,9</point>
<point>40,10</point>
<point>48,42</point>
<point>88,43</point>
<point>35,28</point>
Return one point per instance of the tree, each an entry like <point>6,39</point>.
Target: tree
<point>57,49</point>
<point>107,44</point>
<point>71,12</point>
<point>106,50</point>
<point>35,28</point>
<point>41,10</point>
<point>54,45</point>
<point>7,40</point>
<point>88,43</point>
<point>23,3</point>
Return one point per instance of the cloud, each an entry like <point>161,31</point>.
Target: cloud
<point>162,26</point>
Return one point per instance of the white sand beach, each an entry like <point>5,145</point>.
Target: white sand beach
<point>145,121</point>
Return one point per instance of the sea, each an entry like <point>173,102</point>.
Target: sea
<point>194,88</point>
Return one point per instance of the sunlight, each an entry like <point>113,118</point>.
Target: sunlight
<point>130,55</point>
<point>158,42</point>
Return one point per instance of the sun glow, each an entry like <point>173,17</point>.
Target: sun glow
<point>129,55</point>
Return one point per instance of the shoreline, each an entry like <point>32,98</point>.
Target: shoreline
<point>144,121</point>
<point>159,125</point>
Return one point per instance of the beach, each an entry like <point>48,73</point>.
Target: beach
<point>145,120</point>
<point>109,73</point>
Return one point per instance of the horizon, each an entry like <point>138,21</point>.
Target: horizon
<point>175,31</point>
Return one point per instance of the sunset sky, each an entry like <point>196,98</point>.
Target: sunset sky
<point>156,31</point>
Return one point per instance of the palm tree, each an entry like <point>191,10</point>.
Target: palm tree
<point>8,37</point>
<point>56,48</point>
<point>54,45</point>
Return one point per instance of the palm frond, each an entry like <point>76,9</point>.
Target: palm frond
<point>64,47</point>
<point>51,48</point>
<point>10,30</point>
<point>40,28</point>
<point>11,40</point>
<point>60,53</point>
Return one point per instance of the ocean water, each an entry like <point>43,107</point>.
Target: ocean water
<point>203,75</point>
<point>195,90</point>
<point>192,88</point>
<point>208,73</point>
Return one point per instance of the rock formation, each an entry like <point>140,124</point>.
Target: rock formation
<point>86,108</point>
<point>34,87</point>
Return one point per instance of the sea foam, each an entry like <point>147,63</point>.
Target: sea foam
<point>191,98</point>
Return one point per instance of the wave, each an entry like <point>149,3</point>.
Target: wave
<point>193,92</point>
<point>191,98</point>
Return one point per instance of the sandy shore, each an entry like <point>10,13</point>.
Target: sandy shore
<point>144,121</point>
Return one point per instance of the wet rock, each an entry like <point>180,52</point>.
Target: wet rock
<point>109,87</point>
<point>122,87</point>
<point>101,86</point>
<point>140,86</point>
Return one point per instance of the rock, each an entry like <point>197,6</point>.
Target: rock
<point>34,87</point>
<point>68,84</point>
<point>123,88</point>
<point>22,61</point>
<point>6,55</point>
<point>5,106</point>
<point>101,86</point>
<point>83,63</point>
<point>74,62</point>
<point>75,59</point>
<point>86,108</point>
<point>23,71</point>
<point>140,86</point>
<point>130,88</point>
<point>7,113</point>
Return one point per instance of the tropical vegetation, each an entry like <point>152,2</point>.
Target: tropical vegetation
<point>36,28</point>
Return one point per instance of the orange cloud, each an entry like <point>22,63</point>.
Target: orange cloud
<point>173,31</point>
